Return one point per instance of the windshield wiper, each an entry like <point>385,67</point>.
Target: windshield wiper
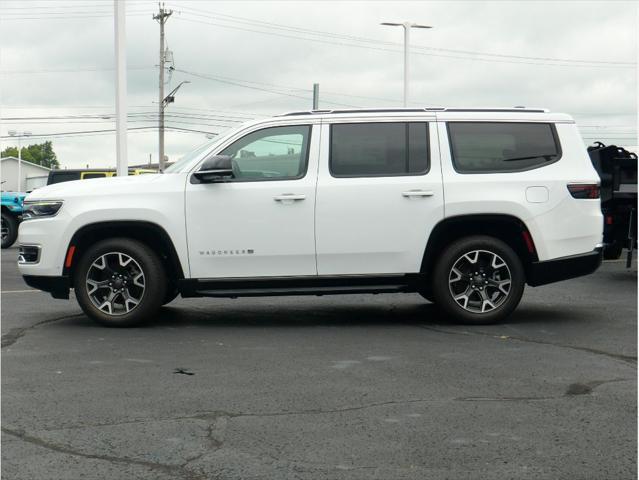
<point>515,159</point>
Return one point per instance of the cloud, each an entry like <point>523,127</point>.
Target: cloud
<point>222,40</point>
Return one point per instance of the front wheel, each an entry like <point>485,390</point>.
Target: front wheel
<point>478,280</point>
<point>120,282</point>
<point>9,229</point>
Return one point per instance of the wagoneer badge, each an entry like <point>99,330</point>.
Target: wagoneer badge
<point>210,253</point>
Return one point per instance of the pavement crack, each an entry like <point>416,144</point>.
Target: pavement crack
<point>13,335</point>
<point>504,399</point>
<point>172,470</point>
<point>315,411</point>
<point>615,356</point>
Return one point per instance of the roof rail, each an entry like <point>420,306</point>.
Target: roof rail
<point>414,110</point>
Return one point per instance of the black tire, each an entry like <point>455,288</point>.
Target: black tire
<point>171,294</point>
<point>502,304</point>
<point>612,252</point>
<point>10,223</point>
<point>154,278</point>
<point>427,295</point>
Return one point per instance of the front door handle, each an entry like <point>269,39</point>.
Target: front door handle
<point>289,197</point>
<point>418,193</point>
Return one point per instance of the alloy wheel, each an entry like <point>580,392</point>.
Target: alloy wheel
<point>5,229</point>
<point>115,283</point>
<point>479,281</point>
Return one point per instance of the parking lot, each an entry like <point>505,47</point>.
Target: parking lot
<point>341,387</point>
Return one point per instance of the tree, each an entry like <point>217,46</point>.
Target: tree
<point>38,153</point>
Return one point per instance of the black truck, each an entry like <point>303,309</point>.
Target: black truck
<point>617,168</point>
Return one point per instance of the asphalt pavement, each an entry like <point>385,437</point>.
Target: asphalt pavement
<point>337,387</point>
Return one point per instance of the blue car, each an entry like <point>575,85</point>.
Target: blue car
<point>11,216</point>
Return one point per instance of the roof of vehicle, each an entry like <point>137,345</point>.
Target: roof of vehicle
<point>96,170</point>
<point>443,113</point>
<point>414,110</point>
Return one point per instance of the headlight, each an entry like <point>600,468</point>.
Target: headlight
<point>40,209</point>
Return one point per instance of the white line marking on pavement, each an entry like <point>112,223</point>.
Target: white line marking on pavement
<point>21,291</point>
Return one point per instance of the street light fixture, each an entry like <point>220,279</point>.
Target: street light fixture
<point>407,26</point>
<point>170,98</point>
<point>19,135</point>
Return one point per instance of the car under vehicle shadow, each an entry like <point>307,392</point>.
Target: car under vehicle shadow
<point>341,314</point>
<point>274,313</point>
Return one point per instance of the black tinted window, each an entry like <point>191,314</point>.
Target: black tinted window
<point>379,149</point>
<point>487,147</point>
<point>58,177</point>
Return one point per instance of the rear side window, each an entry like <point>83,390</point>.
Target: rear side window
<point>59,177</point>
<point>494,147</point>
<point>379,149</point>
<point>87,176</point>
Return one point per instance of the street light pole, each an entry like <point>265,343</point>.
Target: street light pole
<point>120,88</point>
<point>407,26</point>
<point>19,135</point>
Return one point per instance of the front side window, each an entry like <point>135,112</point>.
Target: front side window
<point>379,149</point>
<point>276,153</point>
<point>494,147</point>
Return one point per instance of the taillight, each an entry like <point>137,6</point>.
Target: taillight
<point>584,190</point>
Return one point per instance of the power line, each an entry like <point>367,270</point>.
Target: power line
<point>107,131</point>
<point>71,70</point>
<point>413,52</point>
<point>241,83</point>
<point>71,17</point>
<point>502,58</point>
<point>238,19</point>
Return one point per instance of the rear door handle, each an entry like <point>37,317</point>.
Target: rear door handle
<point>418,193</point>
<point>289,197</point>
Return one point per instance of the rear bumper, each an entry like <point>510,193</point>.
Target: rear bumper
<point>550,271</point>
<point>58,287</point>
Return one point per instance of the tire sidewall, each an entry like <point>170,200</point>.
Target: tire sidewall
<point>12,225</point>
<point>154,275</point>
<point>444,298</point>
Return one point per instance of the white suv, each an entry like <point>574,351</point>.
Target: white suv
<point>464,206</point>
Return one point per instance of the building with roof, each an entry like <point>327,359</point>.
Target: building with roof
<point>33,176</point>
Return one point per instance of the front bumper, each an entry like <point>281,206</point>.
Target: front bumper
<point>58,287</point>
<point>550,271</point>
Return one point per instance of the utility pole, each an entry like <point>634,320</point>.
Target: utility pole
<point>315,96</point>
<point>407,26</point>
<point>161,18</point>
<point>122,166</point>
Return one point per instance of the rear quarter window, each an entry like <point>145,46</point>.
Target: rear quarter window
<point>501,147</point>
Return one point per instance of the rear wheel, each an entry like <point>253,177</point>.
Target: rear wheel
<point>478,280</point>
<point>9,229</point>
<point>120,282</point>
<point>612,252</point>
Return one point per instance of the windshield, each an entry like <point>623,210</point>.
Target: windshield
<point>187,158</point>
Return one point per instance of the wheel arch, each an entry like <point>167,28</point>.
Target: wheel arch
<point>149,233</point>
<point>508,228</point>
<point>7,210</point>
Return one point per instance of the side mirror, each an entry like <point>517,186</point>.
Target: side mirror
<point>215,169</point>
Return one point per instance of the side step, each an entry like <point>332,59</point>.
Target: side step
<point>308,285</point>
<point>268,292</point>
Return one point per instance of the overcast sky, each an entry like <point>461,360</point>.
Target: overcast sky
<point>253,59</point>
